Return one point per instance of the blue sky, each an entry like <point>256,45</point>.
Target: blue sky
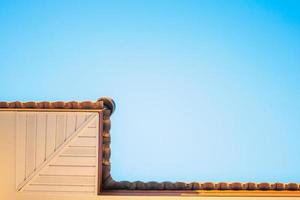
<point>205,90</point>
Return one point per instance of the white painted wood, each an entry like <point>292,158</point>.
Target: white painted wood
<point>80,151</point>
<point>60,129</point>
<point>71,124</point>
<point>41,138</point>
<point>51,134</point>
<point>64,180</point>
<point>30,143</point>
<point>96,131</point>
<point>88,161</point>
<point>94,124</point>
<point>65,168</point>
<point>80,118</point>
<point>90,132</point>
<point>62,170</point>
<point>55,188</point>
<point>20,147</point>
<point>84,142</point>
<point>87,115</point>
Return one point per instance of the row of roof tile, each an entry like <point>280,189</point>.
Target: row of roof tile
<point>99,104</point>
<point>53,105</point>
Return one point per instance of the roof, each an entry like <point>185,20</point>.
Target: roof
<point>101,103</point>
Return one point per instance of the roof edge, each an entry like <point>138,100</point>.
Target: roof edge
<point>101,103</point>
<point>108,103</point>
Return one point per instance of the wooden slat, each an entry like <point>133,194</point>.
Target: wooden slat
<point>41,139</point>
<point>87,115</point>
<point>75,161</point>
<point>20,147</point>
<point>80,151</point>
<point>94,123</point>
<point>51,132</point>
<point>55,170</point>
<point>57,188</point>
<point>71,124</point>
<point>89,132</point>
<point>80,118</point>
<point>60,129</point>
<point>31,143</point>
<point>65,180</point>
<point>84,142</point>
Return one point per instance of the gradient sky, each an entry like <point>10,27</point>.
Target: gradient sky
<point>205,90</point>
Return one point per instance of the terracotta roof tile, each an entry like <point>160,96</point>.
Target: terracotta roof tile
<point>101,103</point>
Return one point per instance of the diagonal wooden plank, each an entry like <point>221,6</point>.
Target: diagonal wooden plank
<point>20,148</point>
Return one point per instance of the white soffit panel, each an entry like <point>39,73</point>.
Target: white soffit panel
<point>56,151</point>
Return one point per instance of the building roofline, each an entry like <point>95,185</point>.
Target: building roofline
<point>100,104</point>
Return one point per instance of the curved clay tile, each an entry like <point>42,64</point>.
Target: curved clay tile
<point>250,186</point>
<point>264,186</point>
<point>277,186</point>
<point>208,186</point>
<point>4,104</point>
<point>222,186</point>
<point>292,186</point>
<point>109,103</point>
<point>181,185</point>
<point>140,185</point>
<point>44,105</point>
<point>169,185</point>
<point>195,186</point>
<point>74,105</point>
<point>236,186</point>
<point>86,105</point>
<point>153,185</point>
<point>58,104</point>
<point>15,104</point>
<point>30,104</point>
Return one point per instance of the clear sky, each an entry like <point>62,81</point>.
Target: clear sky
<point>205,90</point>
